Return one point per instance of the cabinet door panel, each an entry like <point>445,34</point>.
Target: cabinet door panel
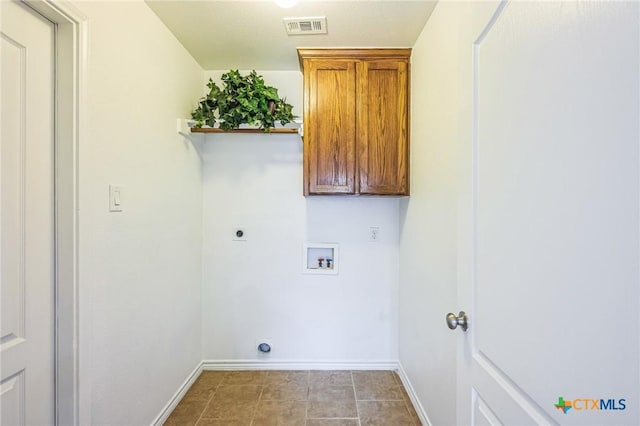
<point>330,157</point>
<point>382,127</point>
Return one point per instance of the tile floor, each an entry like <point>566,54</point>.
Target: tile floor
<point>305,398</point>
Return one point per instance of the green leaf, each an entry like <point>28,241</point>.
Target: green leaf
<point>241,99</point>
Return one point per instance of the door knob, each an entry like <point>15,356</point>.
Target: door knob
<point>461,320</point>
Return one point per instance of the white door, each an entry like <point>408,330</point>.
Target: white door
<point>552,274</point>
<point>27,217</point>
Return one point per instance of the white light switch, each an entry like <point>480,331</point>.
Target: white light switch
<point>115,198</point>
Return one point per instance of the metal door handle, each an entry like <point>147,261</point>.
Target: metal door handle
<point>461,320</point>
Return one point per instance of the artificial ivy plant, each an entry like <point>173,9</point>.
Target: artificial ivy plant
<point>242,99</point>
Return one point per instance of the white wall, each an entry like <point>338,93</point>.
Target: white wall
<point>256,289</point>
<point>139,270</point>
<point>440,155</point>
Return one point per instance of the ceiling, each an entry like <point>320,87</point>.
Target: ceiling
<point>238,34</point>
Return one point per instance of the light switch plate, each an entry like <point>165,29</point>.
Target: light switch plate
<point>115,198</point>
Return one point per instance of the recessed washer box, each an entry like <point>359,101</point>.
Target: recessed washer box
<point>320,258</point>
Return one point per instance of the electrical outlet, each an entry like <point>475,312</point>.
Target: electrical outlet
<point>374,234</point>
<point>239,234</point>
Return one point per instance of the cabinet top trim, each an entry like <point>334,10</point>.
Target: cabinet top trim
<point>377,53</point>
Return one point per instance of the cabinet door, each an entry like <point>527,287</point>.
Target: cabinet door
<point>330,139</point>
<point>383,127</point>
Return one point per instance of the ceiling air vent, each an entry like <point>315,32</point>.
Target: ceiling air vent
<point>300,26</point>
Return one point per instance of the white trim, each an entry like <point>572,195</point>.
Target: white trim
<point>424,418</point>
<point>70,72</point>
<point>177,397</point>
<point>252,364</point>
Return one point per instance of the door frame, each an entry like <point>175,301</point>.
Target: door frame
<point>70,71</point>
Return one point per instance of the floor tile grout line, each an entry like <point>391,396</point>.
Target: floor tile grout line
<point>379,400</point>
<point>356,398</point>
<point>255,410</point>
<point>406,405</point>
<point>210,397</point>
<point>306,408</point>
<point>334,418</point>
<point>355,395</point>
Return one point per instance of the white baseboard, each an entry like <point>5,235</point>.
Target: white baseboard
<point>252,364</point>
<point>173,402</point>
<point>424,418</point>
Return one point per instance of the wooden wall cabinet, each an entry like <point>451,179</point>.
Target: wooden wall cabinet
<point>356,121</point>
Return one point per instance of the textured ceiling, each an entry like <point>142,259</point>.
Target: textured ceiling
<point>250,34</point>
